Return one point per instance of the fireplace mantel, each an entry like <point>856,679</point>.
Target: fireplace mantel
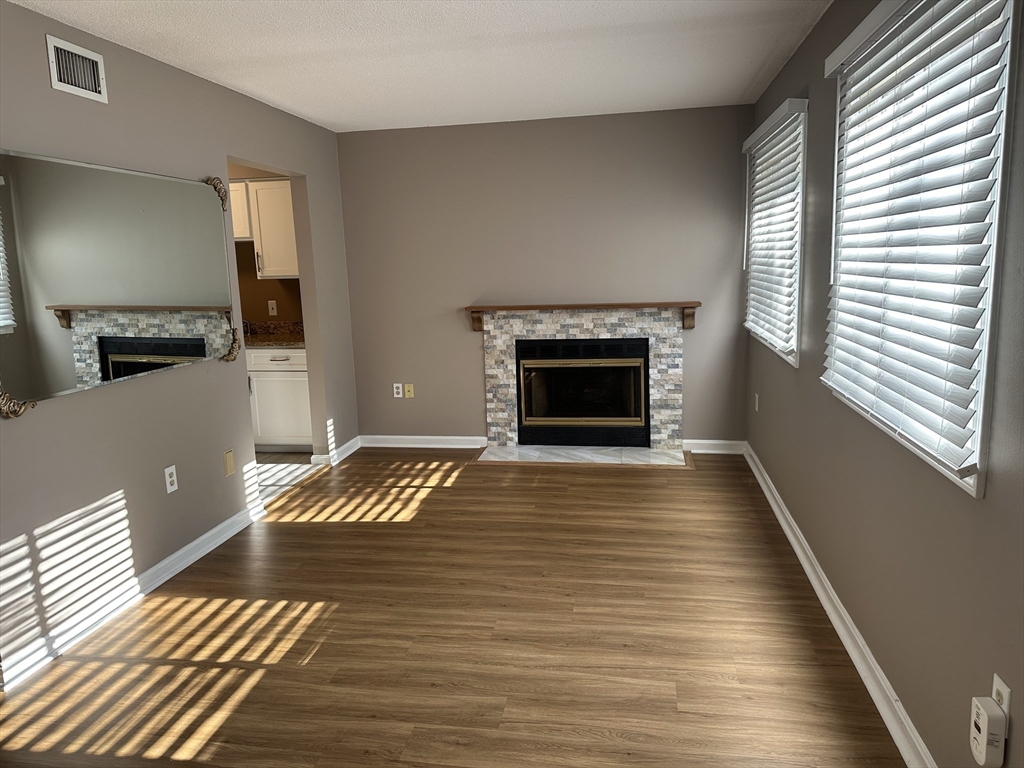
<point>476,312</point>
<point>63,311</point>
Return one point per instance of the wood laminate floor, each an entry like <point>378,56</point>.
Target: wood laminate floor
<point>408,608</point>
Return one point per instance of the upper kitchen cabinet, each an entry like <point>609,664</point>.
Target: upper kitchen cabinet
<point>240,211</point>
<point>262,210</point>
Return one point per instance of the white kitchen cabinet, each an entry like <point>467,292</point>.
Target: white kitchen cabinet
<point>273,228</point>
<point>279,398</point>
<point>240,222</point>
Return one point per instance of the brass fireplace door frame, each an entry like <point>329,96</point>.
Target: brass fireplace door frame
<point>168,359</point>
<point>602,362</point>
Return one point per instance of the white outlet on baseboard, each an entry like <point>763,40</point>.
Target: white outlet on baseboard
<point>397,389</point>
<point>171,478</point>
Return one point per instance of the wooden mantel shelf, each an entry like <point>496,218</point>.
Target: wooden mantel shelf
<point>63,311</point>
<point>689,308</point>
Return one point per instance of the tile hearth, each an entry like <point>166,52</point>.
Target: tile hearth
<point>559,454</point>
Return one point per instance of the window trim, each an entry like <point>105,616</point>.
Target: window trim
<point>885,16</point>
<point>783,112</point>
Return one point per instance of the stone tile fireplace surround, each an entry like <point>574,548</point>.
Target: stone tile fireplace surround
<point>88,324</point>
<point>662,326</point>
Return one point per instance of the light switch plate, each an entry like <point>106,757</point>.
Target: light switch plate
<point>397,390</point>
<point>272,307</point>
<point>229,462</point>
<point>171,478</point>
<point>408,390</point>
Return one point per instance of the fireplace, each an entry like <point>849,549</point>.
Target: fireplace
<point>583,392</point>
<point>121,357</point>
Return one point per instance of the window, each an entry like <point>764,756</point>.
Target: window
<point>921,117</point>
<point>775,196</point>
<point>7,323</point>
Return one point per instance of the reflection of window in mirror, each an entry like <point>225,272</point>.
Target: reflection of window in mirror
<point>7,323</point>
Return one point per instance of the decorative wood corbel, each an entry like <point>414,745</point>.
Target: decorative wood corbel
<point>220,189</point>
<point>63,317</point>
<point>12,408</point>
<point>689,317</point>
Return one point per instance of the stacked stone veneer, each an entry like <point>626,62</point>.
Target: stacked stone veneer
<point>662,327</point>
<point>87,325</point>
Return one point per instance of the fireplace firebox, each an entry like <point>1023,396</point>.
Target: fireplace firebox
<point>583,392</point>
<point>122,356</point>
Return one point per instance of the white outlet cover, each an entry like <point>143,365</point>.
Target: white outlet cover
<point>398,390</point>
<point>272,307</point>
<point>171,478</point>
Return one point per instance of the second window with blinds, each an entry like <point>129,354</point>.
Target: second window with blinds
<point>922,119</point>
<point>772,252</point>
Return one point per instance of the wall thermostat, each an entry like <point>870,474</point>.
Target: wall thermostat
<point>988,732</point>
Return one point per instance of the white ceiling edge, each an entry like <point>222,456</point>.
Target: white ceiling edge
<point>358,65</point>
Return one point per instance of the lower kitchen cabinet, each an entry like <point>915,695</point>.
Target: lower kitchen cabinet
<point>279,400</point>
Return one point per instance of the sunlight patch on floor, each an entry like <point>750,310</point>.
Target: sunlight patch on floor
<point>395,498</point>
<point>145,709</point>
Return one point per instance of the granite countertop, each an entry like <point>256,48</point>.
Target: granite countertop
<point>274,333</point>
<point>290,340</point>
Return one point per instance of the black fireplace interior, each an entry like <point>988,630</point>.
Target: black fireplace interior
<point>583,392</point>
<point>128,356</point>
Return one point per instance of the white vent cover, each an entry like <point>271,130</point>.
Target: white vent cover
<point>75,70</point>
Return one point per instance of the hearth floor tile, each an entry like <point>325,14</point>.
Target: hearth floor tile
<point>545,454</point>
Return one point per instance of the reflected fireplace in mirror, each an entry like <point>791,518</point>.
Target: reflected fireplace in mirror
<point>124,357</point>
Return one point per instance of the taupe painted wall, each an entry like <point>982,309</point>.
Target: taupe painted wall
<point>71,451</point>
<point>255,293</point>
<point>933,578</point>
<point>627,207</point>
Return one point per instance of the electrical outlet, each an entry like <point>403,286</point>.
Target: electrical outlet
<point>1001,693</point>
<point>229,462</point>
<point>171,478</point>
<point>397,390</point>
<point>756,403</point>
<point>272,308</point>
<point>408,390</point>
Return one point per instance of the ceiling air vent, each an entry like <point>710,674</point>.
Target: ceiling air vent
<point>76,70</point>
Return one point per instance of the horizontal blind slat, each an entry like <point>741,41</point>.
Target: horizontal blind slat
<point>937,385</point>
<point>961,375</point>
<point>969,317</point>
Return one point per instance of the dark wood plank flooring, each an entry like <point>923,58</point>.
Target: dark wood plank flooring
<point>408,608</point>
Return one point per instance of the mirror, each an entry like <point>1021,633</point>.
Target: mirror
<point>110,274</point>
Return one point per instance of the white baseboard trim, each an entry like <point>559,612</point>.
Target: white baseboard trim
<point>715,446</point>
<point>173,564</point>
<point>909,742</point>
<point>422,441</point>
<point>335,457</point>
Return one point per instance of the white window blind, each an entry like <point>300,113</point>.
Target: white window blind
<point>7,323</point>
<point>919,156</point>
<point>775,186</point>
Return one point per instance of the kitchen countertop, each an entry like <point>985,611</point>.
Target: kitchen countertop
<point>287,340</point>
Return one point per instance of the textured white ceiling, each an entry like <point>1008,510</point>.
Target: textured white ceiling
<point>352,65</point>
